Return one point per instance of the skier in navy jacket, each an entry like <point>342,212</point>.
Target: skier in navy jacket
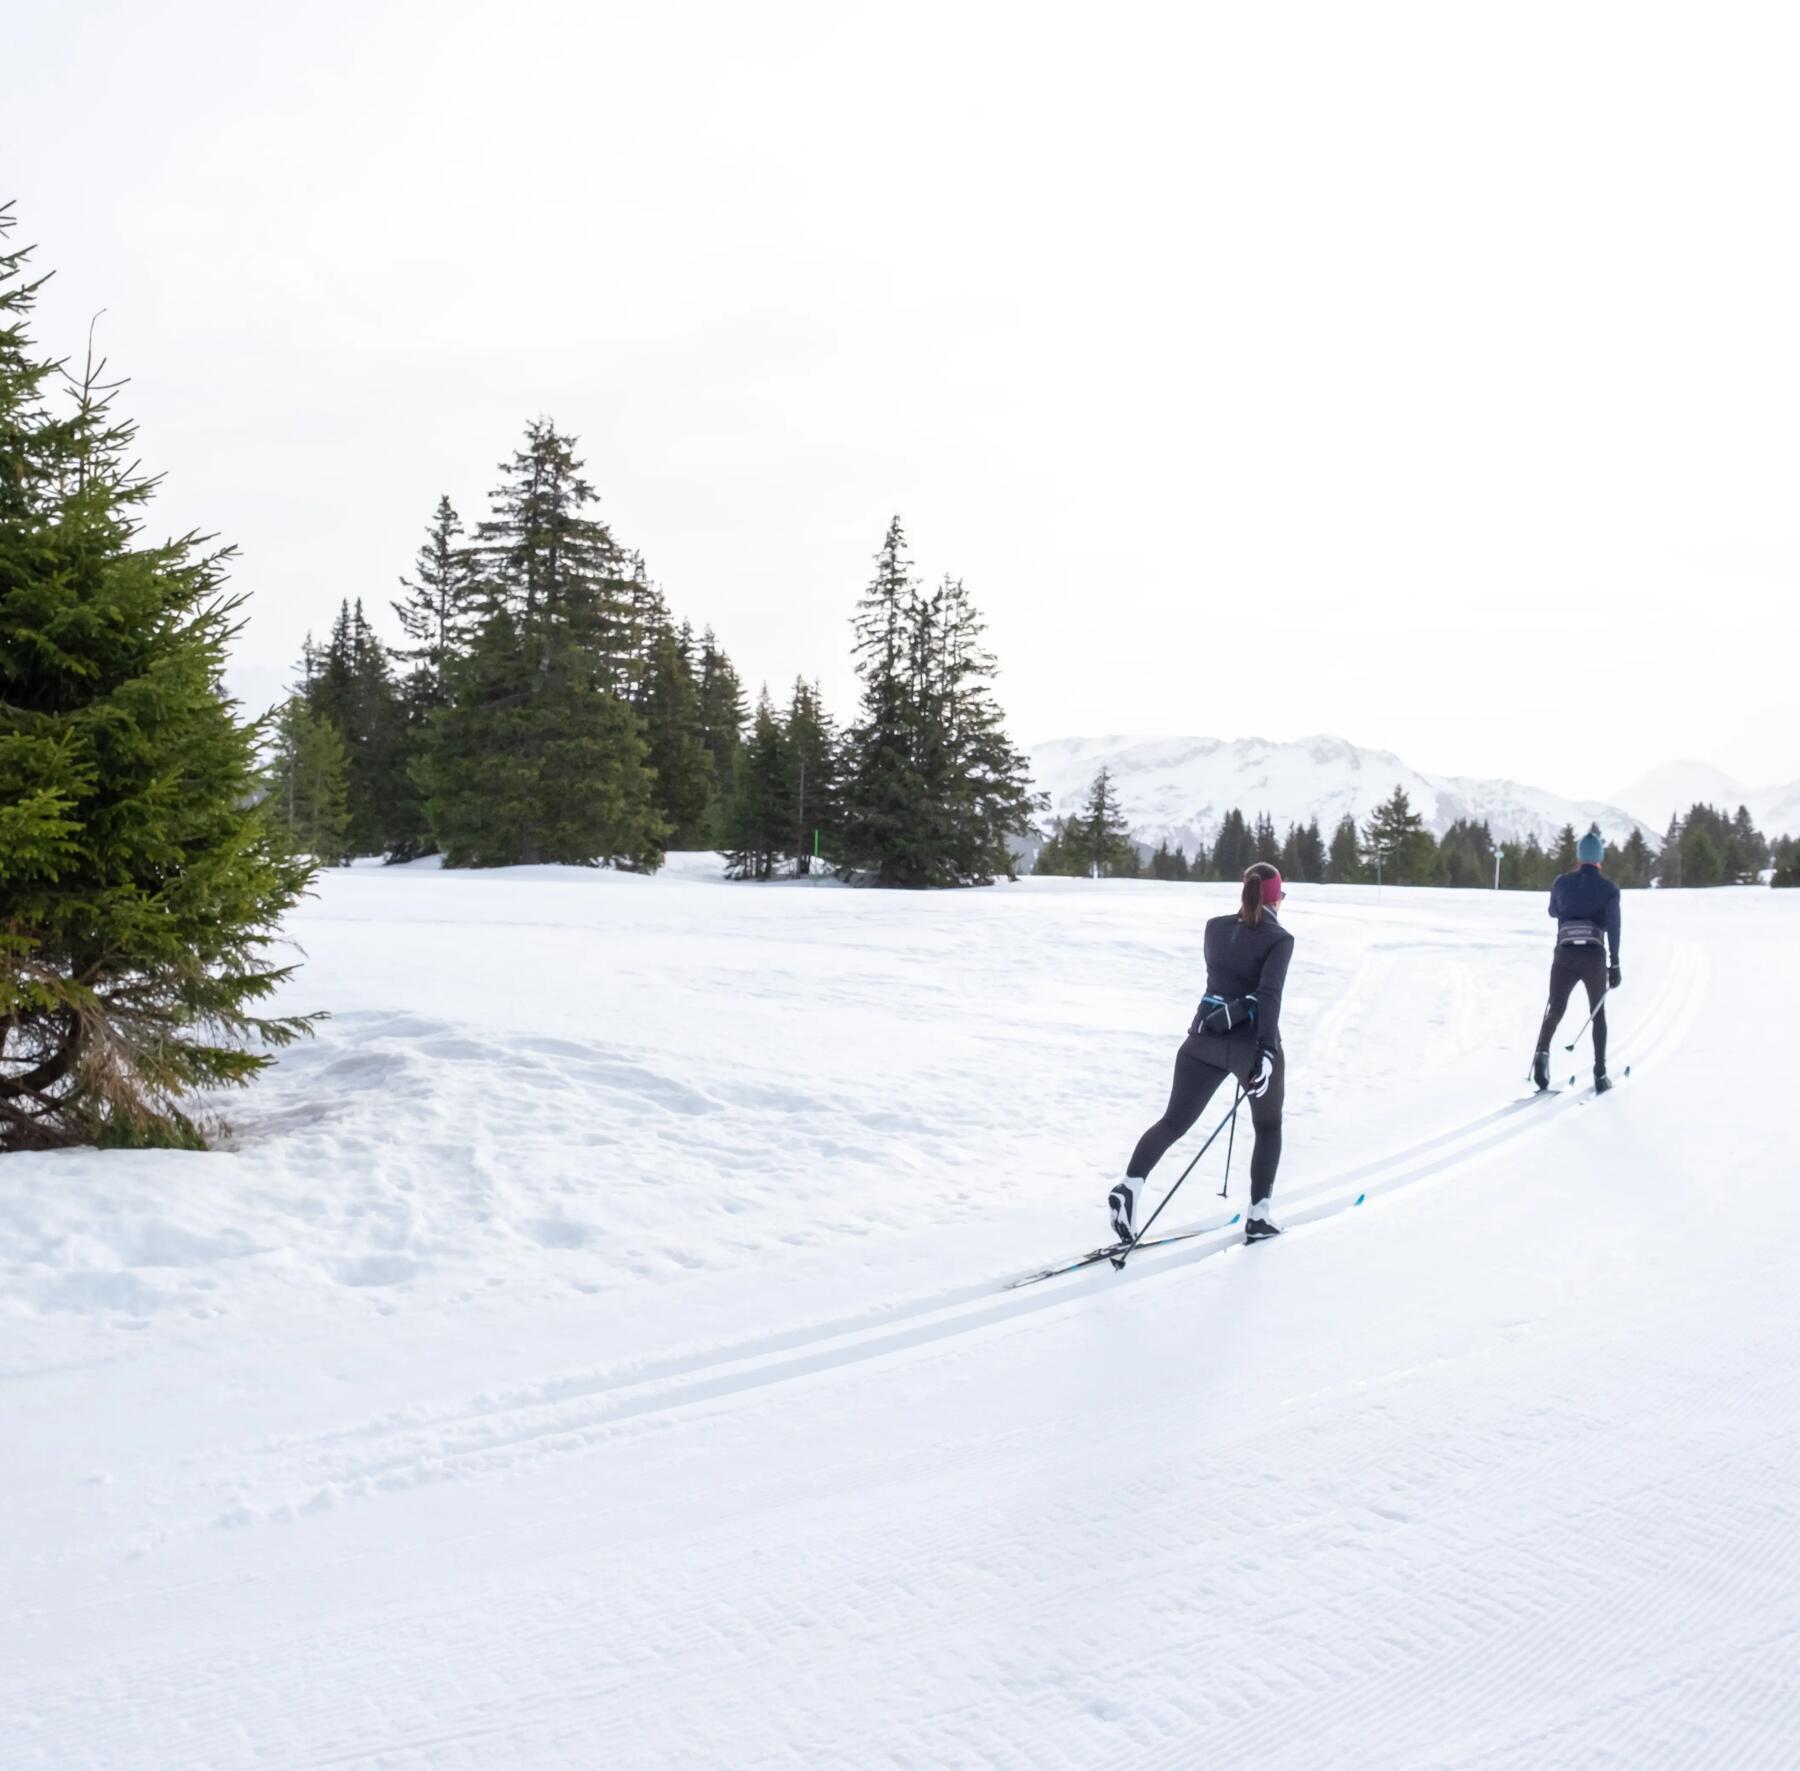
<point>1585,904</point>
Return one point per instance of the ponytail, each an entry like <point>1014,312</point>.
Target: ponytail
<point>1256,895</point>
<point>1250,907</point>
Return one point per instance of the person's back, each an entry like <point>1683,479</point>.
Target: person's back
<point>1237,964</point>
<point>1585,904</point>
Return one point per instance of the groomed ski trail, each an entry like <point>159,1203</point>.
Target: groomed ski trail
<point>578,1412</point>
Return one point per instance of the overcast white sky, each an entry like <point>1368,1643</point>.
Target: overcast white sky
<point>1426,374</point>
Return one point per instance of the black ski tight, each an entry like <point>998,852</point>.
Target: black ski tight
<point>1576,964</point>
<point>1196,1082</point>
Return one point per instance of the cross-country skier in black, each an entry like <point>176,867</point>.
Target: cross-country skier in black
<point>1585,904</point>
<point>1236,1032</point>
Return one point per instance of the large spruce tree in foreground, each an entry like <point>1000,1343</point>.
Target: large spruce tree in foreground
<point>140,880</point>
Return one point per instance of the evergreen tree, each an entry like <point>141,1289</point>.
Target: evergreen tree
<point>1289,858</point>
<point>1233,848</point>
<point>1633,864</point>
<point>1396,844</point>
<point>1466,854</point>
<point>308,791</point>
<point>1263,840</point>
<point>437,619</point>
<point>438,610</point>
<point>141,876</point>
<point>675,743</point>
<point>1099,838</point>
<point>348,686</point>
<point>759,824</point>
<point>1311,850</point>
<point>1701,862</point>
<point>933,788</point>
<point>1668,858</point>
<point>539,756</point>
<point>1054,859</point>
<point>1343,865</point>
<point>722,716</point>
<point>1787,862</point>
<point>1566,859</point>
<point>1167,866</point>
<point>813,769</point>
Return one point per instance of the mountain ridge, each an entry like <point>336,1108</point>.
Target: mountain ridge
<point>1176,790</point>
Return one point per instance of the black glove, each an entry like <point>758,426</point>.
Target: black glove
<point>1258,1084</point>
<point>1612,976</point>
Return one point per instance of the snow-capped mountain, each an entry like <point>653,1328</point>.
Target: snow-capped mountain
<point>1668,791</point>
<point>1177,789</point>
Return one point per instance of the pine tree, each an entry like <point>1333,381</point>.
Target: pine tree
<point>1099,838</point>
<point>1289,858</point>
<point>933,787</point>
<point>1233,849</point>
<point>1634,863</point>
<point>1668,857</point>
<point>539,756</point>
<point>722,716</point>
<point>1566,859</point>
<point>1396,844</point>
<point>438,611</point>
<point>759,820</point>
<point>1702,864</point>
<point>141,877</point>
<point>676,744</point>
<point>1787,862</point>
<point>813,768</point>
<point>308,790</point>
<point>1263,840</point>
<point>438,616</point>
<point>1343,865</point>
<point>1312,852</point>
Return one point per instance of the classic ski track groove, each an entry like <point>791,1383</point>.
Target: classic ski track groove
<point>571,1414</point>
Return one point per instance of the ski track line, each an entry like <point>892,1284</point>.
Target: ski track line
<point>570,1415</point>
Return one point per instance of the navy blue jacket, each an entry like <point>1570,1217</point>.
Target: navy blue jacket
<point>1587,895</point>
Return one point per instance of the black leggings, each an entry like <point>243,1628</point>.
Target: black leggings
<point>1576,964</point>
<point>1204,1062</point>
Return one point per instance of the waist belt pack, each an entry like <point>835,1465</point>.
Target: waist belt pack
<point>1579,934</point>
<point>1223,1014</point>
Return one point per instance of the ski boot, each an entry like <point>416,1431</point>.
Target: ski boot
<point>1540,1070</point>
<point>1258,1225</point>
<point>1121,1202</point>
<point>1602,1082</point>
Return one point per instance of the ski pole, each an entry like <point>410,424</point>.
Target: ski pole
<point>1599,1004</point>
<point>1231,1139</point>
<point>1119,1260</point>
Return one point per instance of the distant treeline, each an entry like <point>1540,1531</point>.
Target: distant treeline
<point>1704,848</point>
<point>546,706</point>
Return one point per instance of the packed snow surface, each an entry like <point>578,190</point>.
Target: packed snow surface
<point>594,1350</point>
<point>1176,790</point>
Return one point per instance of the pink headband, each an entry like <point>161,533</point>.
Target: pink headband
<point>1271,889</point>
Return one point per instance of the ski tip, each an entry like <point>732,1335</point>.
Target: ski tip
<point>1235,1216</point>
<point>1626,1071</point>
<point>1359,1199</point>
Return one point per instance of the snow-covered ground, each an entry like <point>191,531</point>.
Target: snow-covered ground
<point>592,1350</point>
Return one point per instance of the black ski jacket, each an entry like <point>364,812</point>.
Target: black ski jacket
<point>1588,897</point>
<point>1245,961</point>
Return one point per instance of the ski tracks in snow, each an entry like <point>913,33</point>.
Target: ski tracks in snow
<point>498,1432</point>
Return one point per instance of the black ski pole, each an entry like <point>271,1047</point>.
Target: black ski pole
<point>1585,1025</point>
<point>1225,1185</point>
<point>1120,1259</point>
